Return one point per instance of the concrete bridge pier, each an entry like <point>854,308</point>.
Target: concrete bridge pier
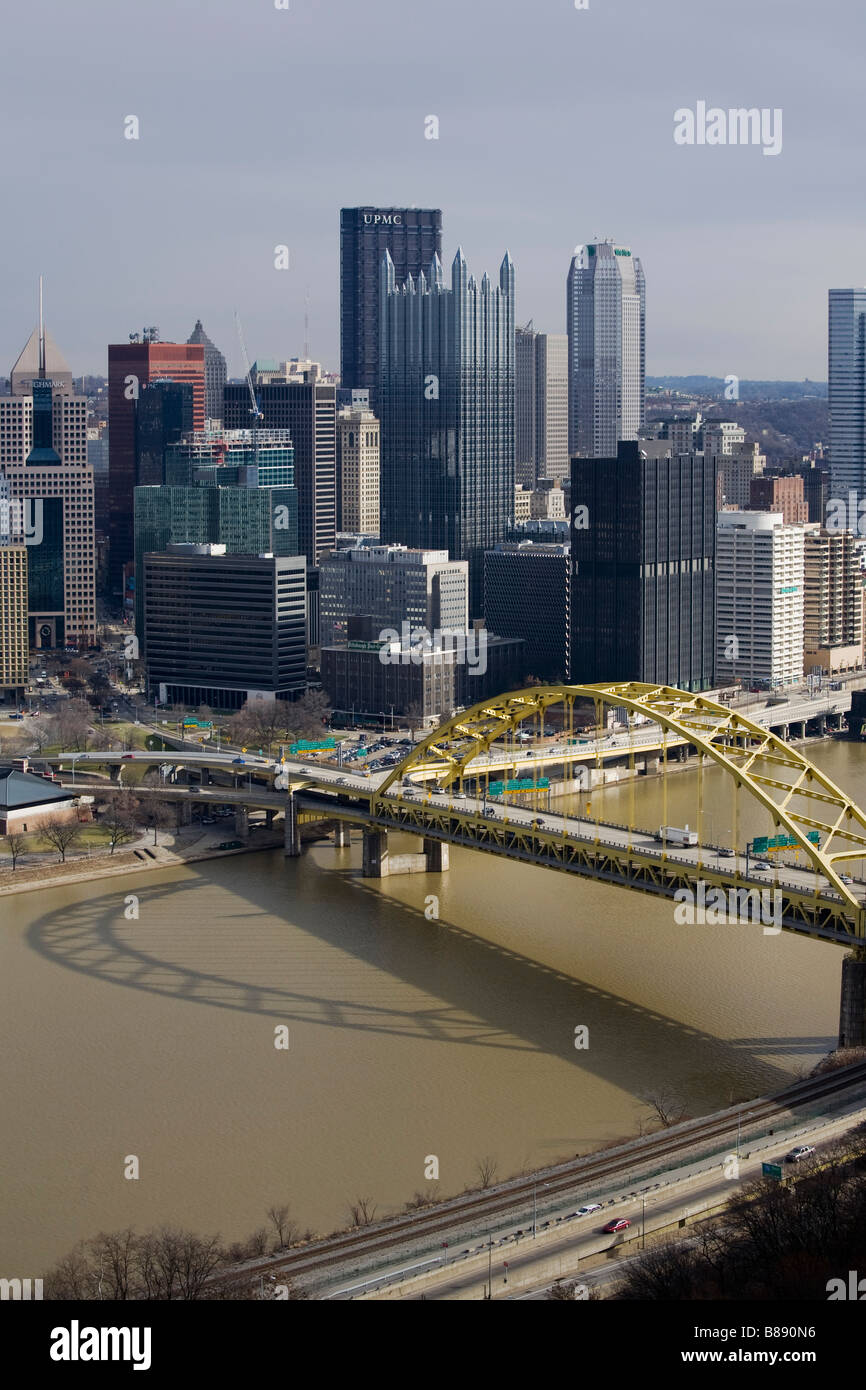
<point>376,857</point>
<point>380,863</point>
<point>269,819</point>
<point>242,822</point>
<point>437,854</point>
<point>852,1010</point>
<point>184,812</point>
<point>291,833</point>
<point>342,835</point>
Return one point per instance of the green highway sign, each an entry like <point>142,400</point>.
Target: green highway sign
<point>762,843</point>
<point>518,784</point>
<point>771,1170</point>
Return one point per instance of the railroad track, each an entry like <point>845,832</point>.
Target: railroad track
<point>484,1207</point>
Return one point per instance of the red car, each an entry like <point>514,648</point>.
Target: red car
<point>618,1224</point>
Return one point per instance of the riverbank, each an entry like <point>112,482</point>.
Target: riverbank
<point>126,861</point>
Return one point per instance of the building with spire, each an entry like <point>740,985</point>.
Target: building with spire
<point>43,456</point>
<point>214,373</point>
<point>446,386</point>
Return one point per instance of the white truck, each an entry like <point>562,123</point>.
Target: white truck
<point>677,835</point>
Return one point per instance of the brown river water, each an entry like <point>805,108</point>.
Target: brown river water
<point>410,1036</point>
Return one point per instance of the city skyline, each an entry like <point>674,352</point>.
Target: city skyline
<point>138,244</point>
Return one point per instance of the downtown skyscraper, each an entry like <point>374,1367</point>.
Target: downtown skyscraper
<point>412,237</point>
<point>847,393</point>
<point>606,322</point>
<point>447,412</point>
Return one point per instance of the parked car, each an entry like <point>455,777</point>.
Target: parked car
<point>208,820</point>
<point>617,1224</point>
<point>231,844</point>
<point>801,1151</point>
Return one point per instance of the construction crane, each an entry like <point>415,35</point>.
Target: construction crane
<point>255,406</point>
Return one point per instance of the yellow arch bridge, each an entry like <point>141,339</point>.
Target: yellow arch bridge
<point>522,775</point>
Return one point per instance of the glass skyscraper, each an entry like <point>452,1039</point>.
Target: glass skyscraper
<point>606,320</point>
<point>447,412</point>
<point>412,237</point>
<point>847,391</point>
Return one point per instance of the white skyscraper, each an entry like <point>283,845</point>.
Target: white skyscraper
<point>760,586</point>
<point>606,320</point>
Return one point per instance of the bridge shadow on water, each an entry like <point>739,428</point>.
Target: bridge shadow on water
<point>492,996</point>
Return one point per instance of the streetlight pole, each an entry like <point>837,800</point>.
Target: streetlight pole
<point>489,1266</point>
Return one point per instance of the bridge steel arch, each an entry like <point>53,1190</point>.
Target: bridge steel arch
<point>798,796</point>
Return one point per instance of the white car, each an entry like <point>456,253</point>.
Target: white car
<point>590,1206</point>
<point>801,1151</point>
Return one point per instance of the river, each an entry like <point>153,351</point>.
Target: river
<point>450,1034</point>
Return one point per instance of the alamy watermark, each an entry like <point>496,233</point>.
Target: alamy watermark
<point>846,514</point>
<point>716,907</point>
<point>21,520</point>
<point>23,1290</point>
<point>737,126</point>
<point>415,645</point>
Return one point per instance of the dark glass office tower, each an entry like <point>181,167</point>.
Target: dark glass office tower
<point>163,413</point>
<point>43,451</point>
<point>447,412</point>
<point>412,237</point>
<point>643,548</point>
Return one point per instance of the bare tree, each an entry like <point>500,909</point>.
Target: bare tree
<point>362,1211</point>
<point>423,1199</point>
<point>73,725</point>
<point>121,818</point>
<point>286,1229</point>
<point>60,833</point>
<point>260,724</point>
<point>669,1107</point>
<point>15,842</point>
<point>486,1170</point>
<point>258,1241</point>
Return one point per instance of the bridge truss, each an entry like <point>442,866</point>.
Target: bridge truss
<point>797,795</point>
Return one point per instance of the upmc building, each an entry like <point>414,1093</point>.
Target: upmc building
<point>412,236</point>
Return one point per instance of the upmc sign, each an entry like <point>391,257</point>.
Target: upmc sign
<point>387,219</point>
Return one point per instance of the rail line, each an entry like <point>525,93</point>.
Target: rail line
<point>483,1206</point>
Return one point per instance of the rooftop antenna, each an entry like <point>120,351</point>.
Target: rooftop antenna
<point>307,324</point>
<point>41,333</point>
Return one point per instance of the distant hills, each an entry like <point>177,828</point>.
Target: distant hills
<point>748,390</point>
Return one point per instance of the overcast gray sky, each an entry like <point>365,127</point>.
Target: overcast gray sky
<point>556,126</point>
